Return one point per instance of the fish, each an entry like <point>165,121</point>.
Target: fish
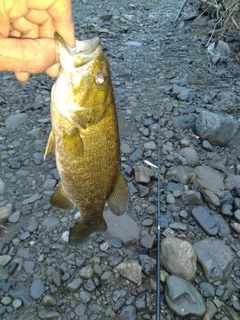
<point>85,138</point>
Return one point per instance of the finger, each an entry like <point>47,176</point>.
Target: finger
<point>4,25</point>
<point>54,70</point>
<point>61,13</point>
<point>26,28</point>
<point>32,55</point>
<point>22,76</point>
<point>46,30</point>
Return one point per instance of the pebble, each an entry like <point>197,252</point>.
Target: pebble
<point>128,313</point>
<point>207,289</point>
<point>15,216</point>
<point>150,145</point>
<point>148,264</point>
<point>48,301</point>
<point>4,259</point>
<point>74,285</point>
<point>84,296</point>
<point>86,272</point>
<point>143,174</point>
<point>5,213</point>
<point>17,303</point>
<point>15,120</point>
<point>131,270</point>
<point>37,289</point>
<point>116,243</point>
<point>205,220</point>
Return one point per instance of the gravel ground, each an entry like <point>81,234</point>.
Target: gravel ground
<point>163,79</point>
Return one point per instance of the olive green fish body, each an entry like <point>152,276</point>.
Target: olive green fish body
<point>85,141</point>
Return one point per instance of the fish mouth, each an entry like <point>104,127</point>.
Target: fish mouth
<point>85,50</point>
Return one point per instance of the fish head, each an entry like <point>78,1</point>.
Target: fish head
<point>84,84</point>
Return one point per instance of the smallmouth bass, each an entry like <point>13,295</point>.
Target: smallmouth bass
<point>85,138</point>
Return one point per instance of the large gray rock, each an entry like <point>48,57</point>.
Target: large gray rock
<point>121,227</point>
<point>183,298</point>
<point>210,183</point>
<point>215,258</point>
<point>179,256</point>
<point>15,120</point>
<point>218,129</point>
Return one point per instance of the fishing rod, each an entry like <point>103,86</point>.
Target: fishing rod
<point>158,294</point>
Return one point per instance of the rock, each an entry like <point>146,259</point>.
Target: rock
<point>121,227</point>
<point>224,230</point>
<point>215,258</point>
<point>192,197</point>
<point>183,298</point>
<point>176,158</point>
<point>125,148</point>
<point>218,129</point>
<point>31,199</point>
<point>226,209</point>
<point>236,227</point>
<point>15,120</point>
<point>184,122</point>
<point>148,264</point>
<point>14,217</point>
<point>210,183</point>
<point>207,146</point>
<point>74,285</point>
<point>211,310</point>
<point>190,155</point>
<point>128,313</point>
<point>131,270</point>
<point>17,303</point>
<point>84,296</point>
<point>182,174</point>
<point>237,215</point>
<point>4,259</point>
<point>219,50</point>
<point>136,155</point>
<point>170,198</point>
<point>50,222</point>
<point>207,289</point>
<point>2,185</point>
<point>133,43</point>
<point>143,174</point>
<point>150,145</point>
<point>5,213</point>
<point>49,302</point>
<point>86,272</point>
<point>21,292</point>
<point>37,289</point>
<point>47,314</point>
<point>178,255</point>
<point>147,240</point>
<point>205,220</point>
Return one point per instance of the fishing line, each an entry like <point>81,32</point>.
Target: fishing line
<point>158,295</point>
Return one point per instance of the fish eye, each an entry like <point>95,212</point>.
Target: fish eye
<point>100,78</point>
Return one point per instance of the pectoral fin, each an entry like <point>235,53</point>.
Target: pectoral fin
<point>82,229</point>
<point>50,148</point>
<point>60,199</point>
<point>118,199</point>
<point>74,142</point>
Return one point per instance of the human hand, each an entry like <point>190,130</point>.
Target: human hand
<point>27,43</point>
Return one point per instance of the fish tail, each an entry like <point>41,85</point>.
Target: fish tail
<point>83,228</point>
